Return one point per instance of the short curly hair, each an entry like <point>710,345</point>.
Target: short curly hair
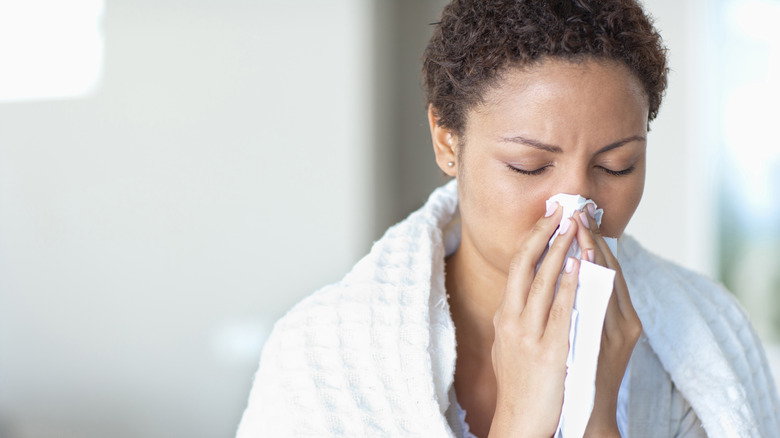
<point>475,40</point>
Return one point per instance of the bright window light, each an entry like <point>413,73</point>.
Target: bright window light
<point>50,49</point>
<point>748,215</point>
<point>752,92</point>
<point>755,19</point>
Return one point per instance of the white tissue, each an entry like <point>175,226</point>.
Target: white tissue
<point>594,288</point>
<point>574,204</point>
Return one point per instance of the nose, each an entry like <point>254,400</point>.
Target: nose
<point>576,183</point>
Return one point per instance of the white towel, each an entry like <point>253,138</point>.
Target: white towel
<point>374,354</point>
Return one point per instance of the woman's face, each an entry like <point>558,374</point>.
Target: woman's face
<point>556,127</point>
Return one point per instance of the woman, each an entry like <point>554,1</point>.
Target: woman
<point>449,328</point>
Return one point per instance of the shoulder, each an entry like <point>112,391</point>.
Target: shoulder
<point>641,265</point>
<point>316,360</point>
<point>665,290</point>
<point>330,319</point>
<point>701,335</point>
<point>357,357</point>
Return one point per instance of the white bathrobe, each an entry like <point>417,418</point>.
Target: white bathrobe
<point>374,354</point>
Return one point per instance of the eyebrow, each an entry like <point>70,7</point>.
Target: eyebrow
<point>557,149</point>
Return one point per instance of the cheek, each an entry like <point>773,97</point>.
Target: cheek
<point>500,206</point>
<point>621,207</point>
<point>498,211</point>
<point>513,205</point>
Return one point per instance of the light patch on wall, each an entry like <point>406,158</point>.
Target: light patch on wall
<point>750,108</point>
<point>50,49</point>
<point>748,214</point>
<point>239,342</point>
<point>755,19</point>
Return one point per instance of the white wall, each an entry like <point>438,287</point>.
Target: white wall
<point>151,232</point>
<point>676,216</point>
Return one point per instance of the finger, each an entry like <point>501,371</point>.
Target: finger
<point>621,324</point>
<point>620,292</point>
<point>613,316</point>
<point>559,323</point>
<point>523,264</point>
<point>601,244</point>
<point>620,301</point>
<point>540,295</point>
<point>603,248</point>
<point>590,250</point>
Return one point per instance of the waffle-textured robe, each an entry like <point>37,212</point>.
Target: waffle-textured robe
<point>374,354</point>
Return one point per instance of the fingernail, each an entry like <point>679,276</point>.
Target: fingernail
<point>592,211</point>
<point>565,226</point>
<point>591,255</point>
<point>569,265</point>
<point>584,219</point>
<point>551,209</point>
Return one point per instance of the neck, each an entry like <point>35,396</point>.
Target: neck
<point>476,289</point>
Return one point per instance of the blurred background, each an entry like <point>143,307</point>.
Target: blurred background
<point>175,175</point>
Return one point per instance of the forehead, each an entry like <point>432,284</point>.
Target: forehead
<point>554,94</point>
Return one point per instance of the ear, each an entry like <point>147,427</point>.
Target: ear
<point>444,145</point>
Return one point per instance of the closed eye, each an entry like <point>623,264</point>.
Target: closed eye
<point>618,172</point>
<point>534,172</point>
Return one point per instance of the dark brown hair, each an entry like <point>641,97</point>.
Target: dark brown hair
<point>477,39</point>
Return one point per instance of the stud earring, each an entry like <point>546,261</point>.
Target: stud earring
<point>450,164</point>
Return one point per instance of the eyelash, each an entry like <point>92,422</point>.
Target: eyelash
<point>619,172</point>
<point>538,171</point>
<point>541,170</point>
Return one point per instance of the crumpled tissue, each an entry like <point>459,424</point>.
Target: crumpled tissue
<point>590,305</point>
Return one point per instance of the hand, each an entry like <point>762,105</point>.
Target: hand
<point>532,334</point>
<point>622,328</point>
